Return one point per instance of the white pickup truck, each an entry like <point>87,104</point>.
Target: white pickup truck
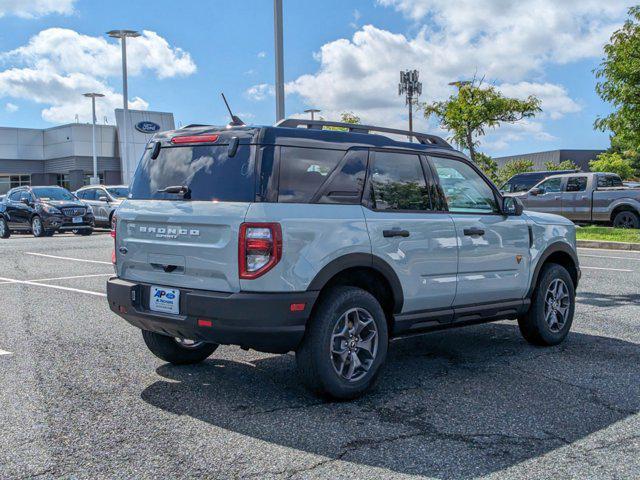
<point>586,198</point>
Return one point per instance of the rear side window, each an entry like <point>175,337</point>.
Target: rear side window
<point>609,181</point>
<point>303,171</point>
<point>398,182</point>
<point>206,170</point>
<point>576,184</point>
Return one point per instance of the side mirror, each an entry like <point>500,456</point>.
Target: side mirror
<point>536,191</point>
<point>102,198</point>
<point>512,206</point>
<point>25,201</point>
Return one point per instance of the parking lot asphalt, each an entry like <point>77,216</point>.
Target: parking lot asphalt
<point>81,397</point>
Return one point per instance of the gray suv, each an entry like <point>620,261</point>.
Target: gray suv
<point>328,243</point>
<point>104,199</point>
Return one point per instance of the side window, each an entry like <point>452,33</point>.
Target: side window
<point>25,196</point>
<point>465,190</point>
<point>398,183</point>
<point>614,181</point>
<point>551,186</point>
<point>15,196</point>
<point>82,195</point>
<point>345,184</point>
<point>303,171</point>
<point>576,184</point>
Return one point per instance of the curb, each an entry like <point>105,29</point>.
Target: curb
<point>608,245</point>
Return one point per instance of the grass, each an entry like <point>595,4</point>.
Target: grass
<point>609,234</point>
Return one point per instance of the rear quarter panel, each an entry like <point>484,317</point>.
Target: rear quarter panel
<point>605,202</point>
<point>312,236</point>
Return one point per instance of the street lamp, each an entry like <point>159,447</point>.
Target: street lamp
<point>312,111</point>
<point>95,180</point>
<point>412,89</point>
<point>277,30</point>
<point>122,35</point>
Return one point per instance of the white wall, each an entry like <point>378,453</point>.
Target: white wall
<point>137,141</point>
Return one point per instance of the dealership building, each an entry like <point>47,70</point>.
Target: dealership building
<point>580,157</point>
<point>63,155</point>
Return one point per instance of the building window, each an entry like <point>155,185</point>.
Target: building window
<point>63,180</point>
<point>87,178</point>
<point>7,182</point>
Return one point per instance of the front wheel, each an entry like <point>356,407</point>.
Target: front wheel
<point>178,351</point>
<point>553,304</point>
<point>37,228</point>
<point>626,219</point>
<point>345,344</point>
<point>4,228</point>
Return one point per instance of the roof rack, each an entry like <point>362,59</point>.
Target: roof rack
<point>423,138</point>
<point>193,125</point>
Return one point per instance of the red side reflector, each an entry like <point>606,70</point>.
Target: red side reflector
<point>113,257</point>
<point>122,309</point>
<point>297,307</point>
<point>195,139</point>
<point>204,323</point>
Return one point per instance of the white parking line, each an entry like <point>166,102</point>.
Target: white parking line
<point>58,287</point>
<point>610,269</point>
<point>607,256</point>
<point>4,352</point>
<point>68,258</point>
<point>62,278</point>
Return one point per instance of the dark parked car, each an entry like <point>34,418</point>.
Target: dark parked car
<point>522,182</point>
<point>44,211</point>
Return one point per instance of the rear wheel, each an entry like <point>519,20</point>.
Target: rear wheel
<point>37,228</point>
<point>84,232</point>
<point>345,344</point>
<point>178,351</point>
<point>4,228</point>
<point>553,304</point>
<point>626,219</point>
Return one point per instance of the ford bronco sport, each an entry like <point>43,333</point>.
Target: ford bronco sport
<point>328,243</point>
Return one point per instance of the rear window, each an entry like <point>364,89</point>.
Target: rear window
<point>206,170</point>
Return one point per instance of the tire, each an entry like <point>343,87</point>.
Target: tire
<point>37,229</point>
<point>4,228</point>
<point>171,350</point>
<point>549,319</point>
<point>49,233</point>
<point>325,373</point>
<point>83,232</point>
<point>626,219</point>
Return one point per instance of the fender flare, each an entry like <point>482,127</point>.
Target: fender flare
<point>366,260</point>
<point>556,247</point>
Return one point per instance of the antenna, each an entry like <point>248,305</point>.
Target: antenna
<point>235,121</point>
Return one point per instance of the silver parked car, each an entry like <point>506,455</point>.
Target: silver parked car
<point>104,199</point>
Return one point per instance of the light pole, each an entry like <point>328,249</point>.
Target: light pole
<point>412,89</point>
<point>277,29</point>
<point>95,180</point>
<point>122,35</point>
<point>312,111</point>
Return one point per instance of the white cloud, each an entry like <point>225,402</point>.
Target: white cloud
<point>260,92</point>
<point>35,8</point>
<point>11,107</point>
<point>262,54</point>
<point>511,43</point>
<point>58,65</point>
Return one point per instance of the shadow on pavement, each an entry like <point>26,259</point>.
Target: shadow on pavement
<point>606,300</point>
<point>455,404</point>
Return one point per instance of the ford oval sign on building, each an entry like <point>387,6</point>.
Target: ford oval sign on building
<point>147,127</point>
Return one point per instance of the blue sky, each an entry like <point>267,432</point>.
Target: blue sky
<point>339,56</point>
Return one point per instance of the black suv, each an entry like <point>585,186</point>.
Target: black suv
<point>44,211</point>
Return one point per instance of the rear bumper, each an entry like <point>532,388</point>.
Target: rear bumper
<point>261,321</point>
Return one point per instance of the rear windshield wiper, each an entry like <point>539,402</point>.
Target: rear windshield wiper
<point>177,189</point>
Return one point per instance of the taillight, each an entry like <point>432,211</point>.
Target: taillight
<point>259,248</point>
<point>113,235</point>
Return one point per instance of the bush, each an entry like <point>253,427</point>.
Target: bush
<point>613,163</point>
<point>512,168</point>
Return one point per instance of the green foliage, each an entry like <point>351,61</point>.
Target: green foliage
<point>345,117</point>
<point>612,163</point>
<point>488,165</point>
<point>512,168</point>
<point>564,165</point>
<point>476,107</point>
<point>619,84</point>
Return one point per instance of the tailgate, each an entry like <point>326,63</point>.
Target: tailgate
<point>182,244</point>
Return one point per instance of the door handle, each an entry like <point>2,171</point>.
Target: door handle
<point>396,232</point>
<point>473,232</point>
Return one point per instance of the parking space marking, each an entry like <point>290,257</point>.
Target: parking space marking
<point>72,277</point>
<point>607,256</point>
<point>610,269</point>
<point>68,258</point>
<point>57,287</point>
<point>4,352</point>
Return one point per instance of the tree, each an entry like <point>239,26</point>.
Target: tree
<point>619,84</point>
<point>512,168</point>
<point>612,163</point>
<point>476,107</point>
<point>345,117</point>
<point>563,165</point>
<point>488,165</point>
